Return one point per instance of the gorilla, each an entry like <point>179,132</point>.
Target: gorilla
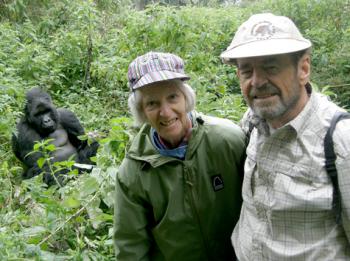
<point>41,121</point>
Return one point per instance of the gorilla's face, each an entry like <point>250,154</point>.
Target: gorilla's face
<point>41,113</point>
<point>43,118</point>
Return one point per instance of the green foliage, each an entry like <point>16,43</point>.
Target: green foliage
<point>45,149</point>
<point>73,221</point>
<point>79,52</point>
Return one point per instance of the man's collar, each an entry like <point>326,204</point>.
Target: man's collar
<point>299,123</point>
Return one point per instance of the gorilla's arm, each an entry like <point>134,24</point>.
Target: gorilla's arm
<point>74,129</point>
<point>23,143</point>
<point>86,152</point>
<point>72,125</point>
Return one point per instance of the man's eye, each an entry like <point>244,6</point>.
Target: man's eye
<point>271,69</point>
<point>246,73</point>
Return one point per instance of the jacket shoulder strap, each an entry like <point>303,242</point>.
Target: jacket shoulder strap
<point>330,161</point>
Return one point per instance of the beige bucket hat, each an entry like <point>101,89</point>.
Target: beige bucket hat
<point>265,34</point>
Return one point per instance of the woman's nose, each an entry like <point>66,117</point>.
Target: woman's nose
<point>165,109</point>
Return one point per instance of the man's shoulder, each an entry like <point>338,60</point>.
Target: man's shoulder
<point>341,135</point>
<point>325,108</point>
<point>325,113</point>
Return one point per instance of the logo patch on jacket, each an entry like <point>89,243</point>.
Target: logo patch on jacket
<point>217,182</point>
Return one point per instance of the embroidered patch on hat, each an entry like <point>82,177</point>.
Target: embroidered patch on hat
<point>217,182</point>
<point>263,30</point>
<point>265,34</point>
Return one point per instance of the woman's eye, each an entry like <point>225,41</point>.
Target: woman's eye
<point>173,96</point>
<point>151,104</point>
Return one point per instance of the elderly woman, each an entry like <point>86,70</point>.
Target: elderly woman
<point>178,188</point>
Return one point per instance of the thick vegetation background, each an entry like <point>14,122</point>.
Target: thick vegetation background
<point>79,51</point>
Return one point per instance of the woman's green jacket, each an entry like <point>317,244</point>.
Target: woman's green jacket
<point>171,209</point>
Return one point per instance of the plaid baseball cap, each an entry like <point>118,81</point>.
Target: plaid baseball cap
<point>265,34</point>
<point>155,67</point>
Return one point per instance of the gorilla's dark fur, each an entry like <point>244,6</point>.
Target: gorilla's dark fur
<point>43,121</point>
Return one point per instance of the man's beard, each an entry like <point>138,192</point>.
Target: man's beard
<point>275,109</point>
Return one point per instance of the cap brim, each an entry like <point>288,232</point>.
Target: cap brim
<point>159,76</point>
<point>264,48</point>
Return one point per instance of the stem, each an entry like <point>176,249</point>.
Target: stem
<point>52,172</point>
<point>339,85</point>
<point>69,219</point>
<point>89,55</point>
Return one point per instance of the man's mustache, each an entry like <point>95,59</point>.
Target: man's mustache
<point>263,90</point>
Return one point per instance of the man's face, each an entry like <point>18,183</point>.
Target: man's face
<point>273,86</point>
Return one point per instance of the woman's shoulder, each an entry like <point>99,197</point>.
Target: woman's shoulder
<point>222,131</point>
<point>129,170</point>
<point>221,124</point>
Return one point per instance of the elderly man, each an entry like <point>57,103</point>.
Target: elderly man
<point>287,211</point>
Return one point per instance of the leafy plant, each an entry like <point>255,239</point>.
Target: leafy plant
<point>79,51</point>
<point>45,148</point>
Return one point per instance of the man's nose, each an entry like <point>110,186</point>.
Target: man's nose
<point>259,78</point>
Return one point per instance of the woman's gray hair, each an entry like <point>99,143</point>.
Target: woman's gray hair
<point>135,101</point>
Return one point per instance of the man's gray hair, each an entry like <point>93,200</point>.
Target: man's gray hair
<point>135,101</point>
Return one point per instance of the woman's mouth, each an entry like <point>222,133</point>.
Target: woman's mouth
<point>168,123</point>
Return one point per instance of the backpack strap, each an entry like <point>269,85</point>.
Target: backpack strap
<point>249,132</point>
<point>330,162</point>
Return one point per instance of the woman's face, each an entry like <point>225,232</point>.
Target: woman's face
<point>164,106</point>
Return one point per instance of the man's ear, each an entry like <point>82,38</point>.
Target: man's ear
<point>304,69</point>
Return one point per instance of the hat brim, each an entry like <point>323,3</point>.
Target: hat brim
<point>159,76</point>
<point>264,48</point>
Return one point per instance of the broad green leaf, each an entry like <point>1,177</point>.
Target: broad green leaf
<point>71,202</point>
<point>33,231</point>
<point>41,162</point>
<point>89,186</point>
<point>94,212</point>
<point>51,147</point>
<point>36,146</point>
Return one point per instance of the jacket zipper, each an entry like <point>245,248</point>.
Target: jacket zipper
<point>194,209</point>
